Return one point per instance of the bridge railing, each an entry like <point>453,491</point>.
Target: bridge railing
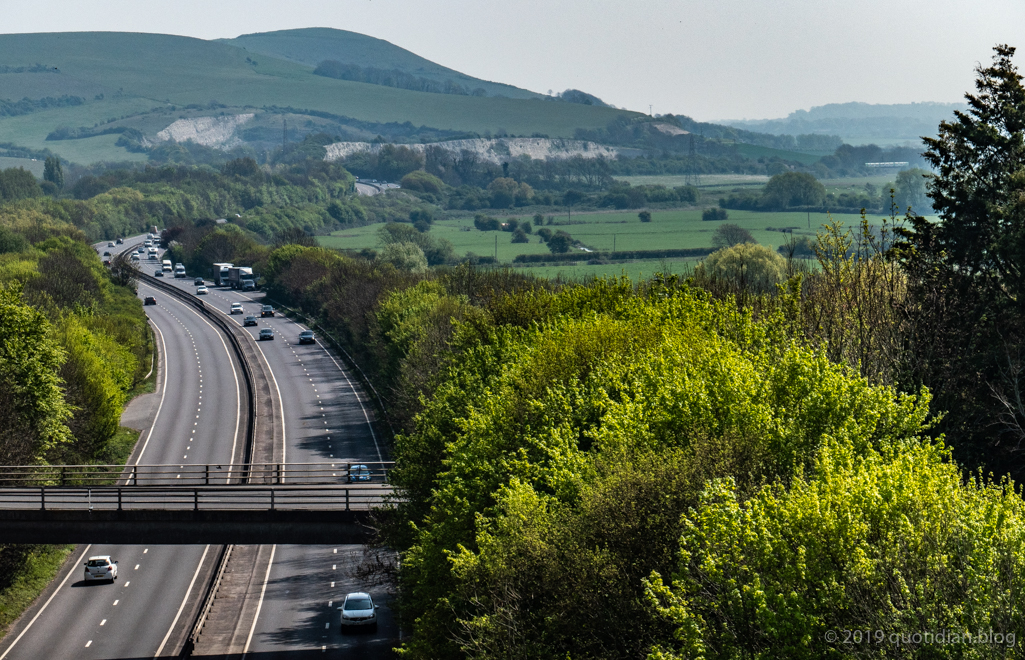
<point>195,474</point>
<point>242,497</point>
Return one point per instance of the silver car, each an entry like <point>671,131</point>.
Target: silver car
<point>359,610</point>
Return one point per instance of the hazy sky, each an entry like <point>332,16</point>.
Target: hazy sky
<point>710,59</point>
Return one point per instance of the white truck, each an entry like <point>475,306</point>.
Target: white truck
<point>179,270</point>
<point>167,266</point>
<point>220,273</point>
<point>241,278</point>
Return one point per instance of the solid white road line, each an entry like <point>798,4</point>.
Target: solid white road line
<point>47,603</point>
<point>163,393</point>
<point>184,600</point>
<point>259,606</point>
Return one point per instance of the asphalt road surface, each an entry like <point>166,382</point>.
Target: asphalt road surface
<point>327,418</point>
<point>198,421</point>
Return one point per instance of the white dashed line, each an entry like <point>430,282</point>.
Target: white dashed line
<point>103,623</point>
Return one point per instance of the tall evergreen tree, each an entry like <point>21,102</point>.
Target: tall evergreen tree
<point>54,172</point>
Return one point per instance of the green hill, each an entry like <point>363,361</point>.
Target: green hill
<point>144,82</point>
<point>311,46</point>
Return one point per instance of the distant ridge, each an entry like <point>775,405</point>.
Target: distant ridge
<point>859,122</point>
<point>311,46</point>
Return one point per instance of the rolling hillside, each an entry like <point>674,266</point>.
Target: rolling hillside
<point>145,82</point>
<point>311,46</point>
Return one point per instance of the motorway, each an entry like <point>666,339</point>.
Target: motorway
<point>197,421</point>
<point>327,419</point>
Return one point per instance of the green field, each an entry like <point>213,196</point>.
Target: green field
<point>30,164</point>
<point>672,229</point>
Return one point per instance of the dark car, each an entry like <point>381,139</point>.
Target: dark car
<point>149,300</point>
<point>266,310</point>
<point>107,253</point>
<point>158,273</point>
<point>119,241</point>
<point>266,333</point>
<point>306,337</point>
<point>199,281</point>
<point>249,320</point>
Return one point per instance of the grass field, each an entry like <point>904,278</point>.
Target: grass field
<point>34,166</point>
<point>672,229</point>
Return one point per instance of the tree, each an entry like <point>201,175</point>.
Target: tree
<point>967,294</point>
<point>911,188</point>
<point>714,213</point>
<point>17,183</point>
<point>793,189</point>
<point>421,181</point>
<point>503,192</point>
<point>745,266</point>
<point>405,256</point>
<point>32,407</point>
<point>560,243</point>
<point>729,234</point>
<point>54,172</point>
<point>645,216</point>
<point>520,236</point>
<point>294,236</point>
<point>421,219</point>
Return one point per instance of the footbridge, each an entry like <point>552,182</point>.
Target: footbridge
<point>323,503</point>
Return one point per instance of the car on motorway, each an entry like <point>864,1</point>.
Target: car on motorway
<point>266,333</point>
<point>359,473</point>
<point>135,257</point>
<point>119,241</point>
<point>249,320</point>
<point>158,273</point>
<point>149,300</point>
<point>236,308</point>
<point>199,281</point>
<point>359,610</point>
<point>202,291</point>
<point>306,337</point>
<point>266,310</point>
<point>107,253</point>
<point>110,244</point>
<point>100,567</point>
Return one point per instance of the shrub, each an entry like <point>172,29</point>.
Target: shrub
<point>519,236</point>
<point>486,223</point>
<point>421,181</point>
<point>645,216</point>
<point>714,214</point>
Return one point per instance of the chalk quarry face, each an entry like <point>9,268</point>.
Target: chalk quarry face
<point>495,150</point>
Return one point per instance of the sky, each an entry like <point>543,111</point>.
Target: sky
<point>718,59</point>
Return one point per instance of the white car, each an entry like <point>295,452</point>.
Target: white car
<point>100,567</point>
<point>236,308</point>
<point>359,610</point>
<point>202,290</point>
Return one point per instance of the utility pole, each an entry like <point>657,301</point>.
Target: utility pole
<point>496,248</point>
<point>613,244</point>
<point>649,111</point>
<point>809,219</point>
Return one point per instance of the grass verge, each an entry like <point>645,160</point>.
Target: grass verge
<point>38,566</point>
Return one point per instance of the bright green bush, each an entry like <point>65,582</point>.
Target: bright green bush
<point>891,540</point>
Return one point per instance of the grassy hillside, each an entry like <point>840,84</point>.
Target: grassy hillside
<point>311,46</point>
<point>145,80</point>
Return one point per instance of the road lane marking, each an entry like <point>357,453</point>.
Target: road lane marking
<point>185,600</point>
<point>259,606</point>
<point>136,567</point>
<point>43,608</point>
<point>116,602</point>
<point>163,392</point>
<point>103,623</point>
<point>145,551</point>
<point>89,643</point>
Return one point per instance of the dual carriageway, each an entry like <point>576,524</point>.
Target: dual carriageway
<point>273,601</point>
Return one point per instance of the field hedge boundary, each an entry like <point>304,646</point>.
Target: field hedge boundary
<point>625,255</point>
